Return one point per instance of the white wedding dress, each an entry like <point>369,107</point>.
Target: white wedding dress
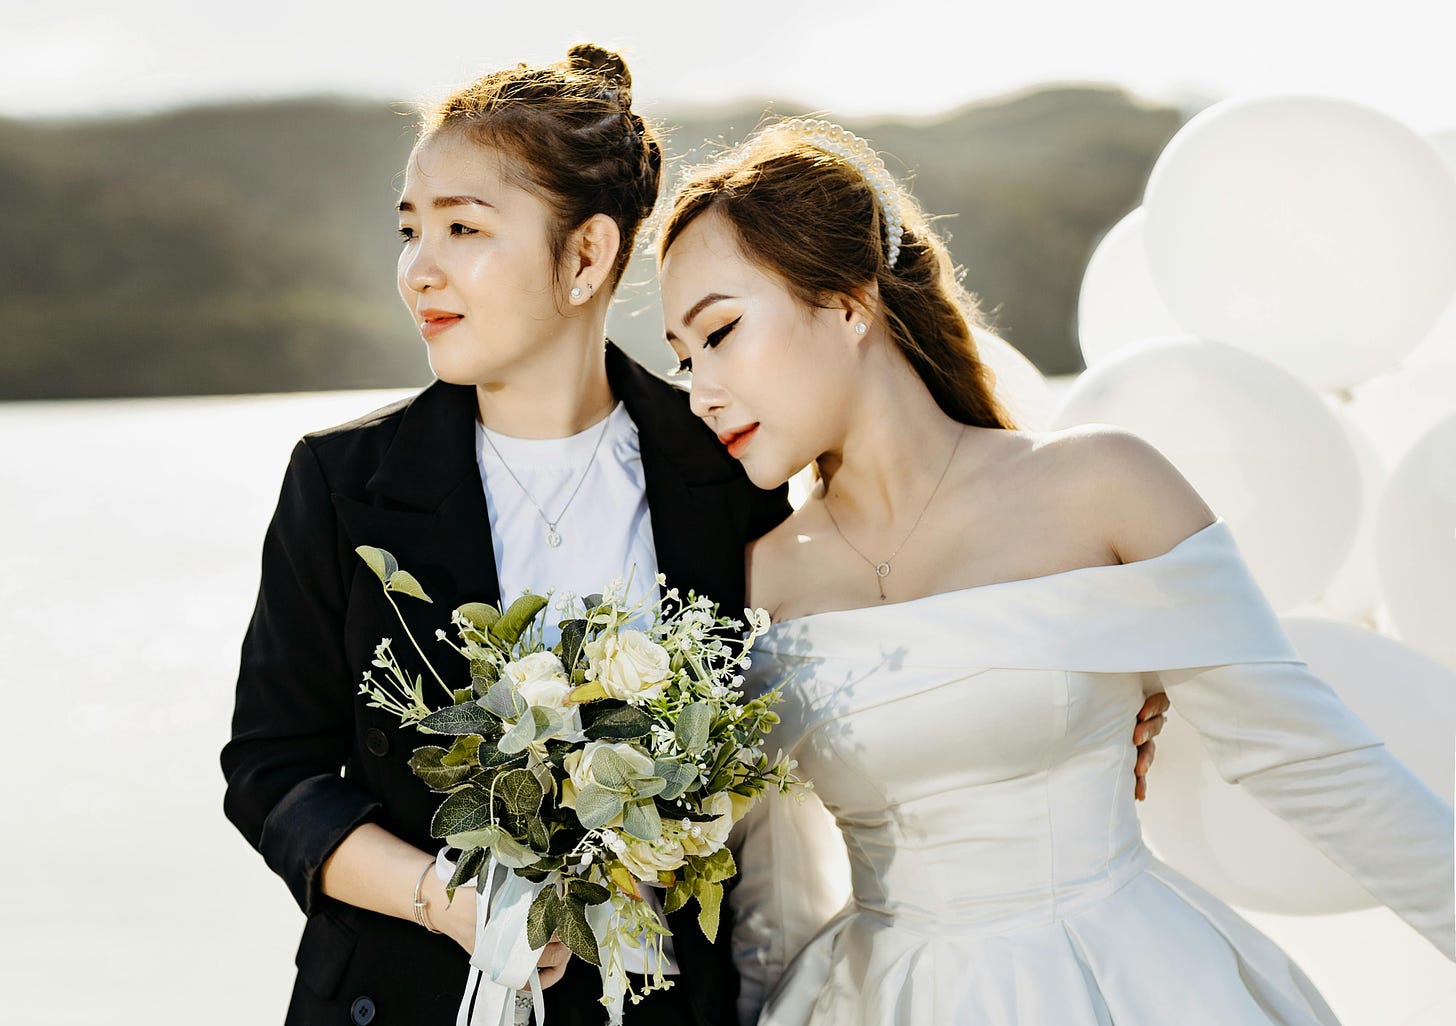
<point>974,750</point>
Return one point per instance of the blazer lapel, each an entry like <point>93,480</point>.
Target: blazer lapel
<point>695,491</point>
<point>425,504</point>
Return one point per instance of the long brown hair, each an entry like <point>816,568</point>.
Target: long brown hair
<point>812,219</point>
<point>570,133</point>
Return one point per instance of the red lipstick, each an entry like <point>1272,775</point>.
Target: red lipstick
<point>433,322</point>
<point>738,439</point>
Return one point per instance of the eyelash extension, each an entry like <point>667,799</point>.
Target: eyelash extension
<point>406,234</point>
<point>714,338</point>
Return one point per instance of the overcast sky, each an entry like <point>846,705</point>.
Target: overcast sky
<point>852,57</point>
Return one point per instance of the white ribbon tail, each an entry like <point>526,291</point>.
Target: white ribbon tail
<point>614,980</point>
<point>504,961</point>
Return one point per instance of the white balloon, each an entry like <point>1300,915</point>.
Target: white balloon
<point>1226,841</point>
<point>1353,592</point>
<point>1439,345</point>
<point>1445,143</point>
<point>1019,384</point>
<point>1396,409</point>
<point>1416,544</point>
<point>1262,448</point>
<point>1315,232</point>
<point>1119,304</point>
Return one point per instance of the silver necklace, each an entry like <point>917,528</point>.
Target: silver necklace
<point>553,536</point>
<point>882,567</point>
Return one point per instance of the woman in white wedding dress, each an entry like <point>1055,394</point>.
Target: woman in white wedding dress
<point>967,616</point>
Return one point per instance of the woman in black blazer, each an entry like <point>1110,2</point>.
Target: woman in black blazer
<point>521,204</point>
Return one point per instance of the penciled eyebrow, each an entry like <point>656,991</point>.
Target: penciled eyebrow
<point>697,308</point>
<point>441,202</point>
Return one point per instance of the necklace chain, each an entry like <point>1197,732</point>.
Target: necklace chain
<point>553,536</point>
<point>882,567</point>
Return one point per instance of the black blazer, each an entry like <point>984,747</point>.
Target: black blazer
<point>405,479</point>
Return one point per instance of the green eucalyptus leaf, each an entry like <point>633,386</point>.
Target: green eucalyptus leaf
<point>618,723</point>
<point>640,819</point>
<point>381,562</point>
<point>576,933</point>
<point>463,695</point>
<point>520,791</point>
<point>648,787</point>
<point>693,725</point>
<point>426,764</point>
<point>538,833</point>
<point>596,806</point>
<point>518,737</point>
<point>464,751</point>
<point>511,853</point>
<point>467,839</point>
<point>466,809</point>
<point>460,719</point>
<point>466,868</point>
<point>592,601</point>
<point>481,615</point>
<point>610,770</point>
<point>503,700</point>
<point>710,902</point>
<point>542,917</point>
<point>404,582</point>
<point>513,622</point>
<point>587,892</point>
<point>678,777</point>
<point>548,722</point>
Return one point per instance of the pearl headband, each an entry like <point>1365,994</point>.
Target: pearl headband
<point>842,143</point>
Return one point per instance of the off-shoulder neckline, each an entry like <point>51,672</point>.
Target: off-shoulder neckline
<point>1020,582</point>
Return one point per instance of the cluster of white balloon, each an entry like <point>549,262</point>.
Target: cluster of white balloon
<point>1271,319</point>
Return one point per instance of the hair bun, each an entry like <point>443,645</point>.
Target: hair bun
<point>593,58</point>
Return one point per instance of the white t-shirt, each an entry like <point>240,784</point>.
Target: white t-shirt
<point>606,531</point>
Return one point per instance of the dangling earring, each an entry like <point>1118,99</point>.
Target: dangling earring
<point>861,328</point>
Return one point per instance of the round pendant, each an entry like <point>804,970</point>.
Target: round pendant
<point>882,569</point>
<point>552,537</point>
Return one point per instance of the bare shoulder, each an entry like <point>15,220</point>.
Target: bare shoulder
<point>1138,499</point>
<point>767,563</point>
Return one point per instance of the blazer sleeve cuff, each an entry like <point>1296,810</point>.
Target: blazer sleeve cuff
<point>304,828</point>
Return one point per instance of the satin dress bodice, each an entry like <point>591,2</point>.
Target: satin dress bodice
<point>973,753</point>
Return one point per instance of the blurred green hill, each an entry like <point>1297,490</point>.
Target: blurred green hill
<point>251,248</point>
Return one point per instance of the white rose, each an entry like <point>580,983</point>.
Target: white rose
<point>629,665</point>
<point>645,859</point>
<point>706,838</point>
<point>541,680</point>
<point>578,766</point>
<point>741,804</point>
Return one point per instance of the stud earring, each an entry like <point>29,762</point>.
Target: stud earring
<point>861,328</point>
<point>576,293</point>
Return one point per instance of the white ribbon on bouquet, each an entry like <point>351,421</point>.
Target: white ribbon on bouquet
<point>504,963</point>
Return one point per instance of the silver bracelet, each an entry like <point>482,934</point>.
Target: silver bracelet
<point>422,906</point>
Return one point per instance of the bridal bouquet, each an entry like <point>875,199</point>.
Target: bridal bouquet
<point>574,775</point>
